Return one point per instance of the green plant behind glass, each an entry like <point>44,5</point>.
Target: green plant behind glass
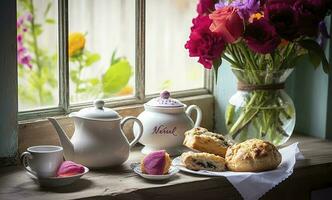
<point>38,80</point>
<point>105,85</point>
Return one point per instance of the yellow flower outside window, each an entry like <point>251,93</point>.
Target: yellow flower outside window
<point>76,43</point>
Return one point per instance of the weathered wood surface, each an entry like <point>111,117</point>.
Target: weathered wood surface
<point>314,172</point>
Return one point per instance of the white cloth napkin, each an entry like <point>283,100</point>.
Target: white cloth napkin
<point>252,186</point>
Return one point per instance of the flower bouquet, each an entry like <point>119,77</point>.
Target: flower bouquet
<point>262,40</point>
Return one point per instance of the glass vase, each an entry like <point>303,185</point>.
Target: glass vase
<point>260,108</point>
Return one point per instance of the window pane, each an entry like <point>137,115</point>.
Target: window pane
<point>168,65</point>
<point>101,49</point>
<point>37,41</point>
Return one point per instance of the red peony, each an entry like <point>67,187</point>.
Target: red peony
<point>309,13</point>
<point>261,37</point>
<point>282,16</point>
<point>227,23</point>
<point>205,7</point>
<point>203,43</point>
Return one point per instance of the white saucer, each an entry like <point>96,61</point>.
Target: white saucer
<point>57,181</point>
<point>137,169</point>
<point>173,151</point>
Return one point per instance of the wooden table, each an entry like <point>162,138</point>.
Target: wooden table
<point>313,173</point>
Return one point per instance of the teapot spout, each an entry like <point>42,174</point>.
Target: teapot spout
<point>68,147</point>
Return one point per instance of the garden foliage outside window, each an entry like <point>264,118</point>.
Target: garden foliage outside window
<point>101,50</point>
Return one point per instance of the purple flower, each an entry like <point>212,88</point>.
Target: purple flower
<point>20,21</point>
<point>281,15</point>
<point>23,56</point>
<point>205,7</point>
<point>261,37</point>
<point>220,5</point>
<point>323,30</point>
<point>246,7</point>
<point>323,34</point>
<point>29,17</point>
<point>21,50</point>
<point>26,61</point>
<point>19,38</point>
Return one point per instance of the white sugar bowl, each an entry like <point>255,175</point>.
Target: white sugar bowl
<point>165,120</point>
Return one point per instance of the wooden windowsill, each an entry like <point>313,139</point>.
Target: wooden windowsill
<point>312,173</point>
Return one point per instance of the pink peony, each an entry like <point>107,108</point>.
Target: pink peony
<point>227,23</point>
<point>261,37</point>
<point>69,168</point>
<point>203,43</point>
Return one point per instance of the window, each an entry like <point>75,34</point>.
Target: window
<point>71,52</point>
<point>167,62</point>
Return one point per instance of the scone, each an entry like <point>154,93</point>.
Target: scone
<point>202,140</point>
<point>156,163</point>
<point>253,155</point>
<point>203,161</point>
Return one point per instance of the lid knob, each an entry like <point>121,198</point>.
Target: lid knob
<point>99,104</point>
<point>165,94</point>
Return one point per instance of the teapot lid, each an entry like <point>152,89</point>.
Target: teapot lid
<point>164,100</point>
<point>98,112</point>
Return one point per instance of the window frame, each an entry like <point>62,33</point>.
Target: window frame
<point>139,97</point>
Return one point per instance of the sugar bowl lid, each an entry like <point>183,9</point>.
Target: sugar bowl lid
<point>165,101</point>
<point>97,112</point>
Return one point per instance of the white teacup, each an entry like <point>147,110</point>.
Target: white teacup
<point>42,161</point>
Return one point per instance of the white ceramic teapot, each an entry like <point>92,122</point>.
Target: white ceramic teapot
<point>98,140</point>
<point>165,120</point>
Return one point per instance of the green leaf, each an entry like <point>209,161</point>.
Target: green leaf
<point>38,29</point>
<point>166,85</point>
<point>92,58</point>
<point>81,90</point>
<point>297,59</point>
<point>229,115</point>
<point>116,77</point>
<point>94,81</point>
<point>216,65</point>
<point>48,8</point>
<point>74,76</point>
<point>47,97</point>
<point>315,49</point>
<point>50,21</point>
<point>114,60</point>
<point>314,59</point>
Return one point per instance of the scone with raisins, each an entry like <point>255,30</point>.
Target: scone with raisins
<point>203,161</point>
<point>253,155</point>
<point>202,140</point>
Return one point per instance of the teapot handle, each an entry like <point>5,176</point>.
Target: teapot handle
<point>199,114</point>
<point>140,125</point>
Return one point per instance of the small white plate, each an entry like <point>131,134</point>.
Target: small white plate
<point>136,167</point>
<point>177,162</point>
<point>57,181</point>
